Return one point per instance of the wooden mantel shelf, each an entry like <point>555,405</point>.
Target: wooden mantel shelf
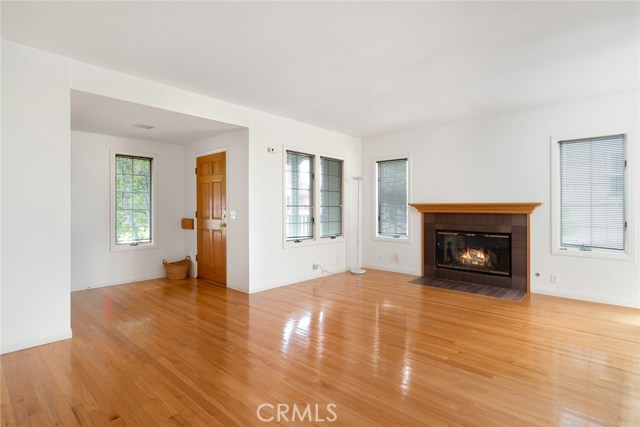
<point>494,208</point>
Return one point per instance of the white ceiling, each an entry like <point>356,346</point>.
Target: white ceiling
<point>108,116</point>
<point>361,68</point>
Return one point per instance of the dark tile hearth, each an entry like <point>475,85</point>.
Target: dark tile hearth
<point>489,291</point>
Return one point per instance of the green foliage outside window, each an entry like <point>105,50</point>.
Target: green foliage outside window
<point>133,200</point>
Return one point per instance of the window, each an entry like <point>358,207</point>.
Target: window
<point>313,189</point>
<point>330,197</point>
<point>392,193</point>
<point>299,196</point>
<point>592,194</point>
<point>133,200</point>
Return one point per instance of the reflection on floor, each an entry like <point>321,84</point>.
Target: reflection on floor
<point>340,350</point>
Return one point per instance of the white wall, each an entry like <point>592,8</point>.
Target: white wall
<point>236,146</point>
<point>270,265</point>
<point>35,198</point>
<point>273,265</point>
<point>507,158</point>
<point>1,157</point>
<point>93,264</point>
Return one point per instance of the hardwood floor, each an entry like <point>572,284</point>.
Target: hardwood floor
<point>382,351</point>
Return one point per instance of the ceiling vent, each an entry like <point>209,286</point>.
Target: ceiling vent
<point>143,126</point>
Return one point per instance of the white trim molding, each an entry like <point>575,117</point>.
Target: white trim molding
<point>37,340</point>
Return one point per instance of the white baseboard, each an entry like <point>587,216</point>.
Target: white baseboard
<point>563,293</point>
<point>316,275</point>
<point>291,281</point>
<point>24,343</point>
<point>85,286</point>
<point>385,267</point>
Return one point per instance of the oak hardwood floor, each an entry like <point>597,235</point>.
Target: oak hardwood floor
<point>382,351</point>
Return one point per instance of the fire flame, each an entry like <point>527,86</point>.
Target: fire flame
<point>474,257</point>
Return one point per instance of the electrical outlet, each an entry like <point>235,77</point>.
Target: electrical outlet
<point>555,279</point>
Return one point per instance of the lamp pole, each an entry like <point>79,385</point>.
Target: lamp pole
<point>358,269</point>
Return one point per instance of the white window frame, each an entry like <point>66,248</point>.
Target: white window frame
<point>629,197</point>
<point>374,174</point>
<point>316,239</point>
<point>112,205</point>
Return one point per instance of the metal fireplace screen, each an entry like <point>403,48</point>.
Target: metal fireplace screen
<point>486,253</point>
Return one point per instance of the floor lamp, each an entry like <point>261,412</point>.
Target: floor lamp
<point>358,269</point>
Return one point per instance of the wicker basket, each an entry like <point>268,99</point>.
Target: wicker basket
<point>178,269</point>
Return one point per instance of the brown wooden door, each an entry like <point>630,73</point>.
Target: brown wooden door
<point>212,217</point>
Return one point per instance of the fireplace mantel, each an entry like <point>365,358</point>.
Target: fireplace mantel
<point>495,208</point>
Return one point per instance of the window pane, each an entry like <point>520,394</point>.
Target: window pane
<point>140,201</point>
<point>123,225</point>
<point>124,182</point>
<point>141,184</point>
<point>592,204</point>
<point>141,167</point>
<point>124,201</point>
<point>330,197</point>
<point>133,200</point>
<point>392,198</point>
<point>141,225</point>
<point>299,196</point>
<point>124,165</point>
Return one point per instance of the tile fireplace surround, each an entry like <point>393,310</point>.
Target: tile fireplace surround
<point>511,218</point>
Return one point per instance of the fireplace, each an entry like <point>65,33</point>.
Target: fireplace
<point>485,253</point>
<point>478,243</point>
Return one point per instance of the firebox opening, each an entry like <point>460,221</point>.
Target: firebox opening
<point>488,253</point>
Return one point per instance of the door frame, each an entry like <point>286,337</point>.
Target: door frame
<point>194,206</point>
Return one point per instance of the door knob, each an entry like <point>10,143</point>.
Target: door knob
<point>223,224</point>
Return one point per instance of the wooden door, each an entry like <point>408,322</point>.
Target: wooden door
<point>212,217</point>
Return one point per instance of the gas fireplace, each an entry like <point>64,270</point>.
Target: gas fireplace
<point>486,253</point>
<point>477,243</point>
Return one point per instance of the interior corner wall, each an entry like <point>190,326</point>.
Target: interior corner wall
<point>35,198</point>
<point>270,264</point>
<point>236,146</point>
<point>93,264</point>
<point>507,158</point>
<point>257,259</point>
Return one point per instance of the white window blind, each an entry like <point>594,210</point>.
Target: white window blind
<point>299,196</point>
<point>592,193</point>
<point>330,197</point>
<point>392,198</point>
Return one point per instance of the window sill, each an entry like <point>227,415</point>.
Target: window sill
<point>313,242</point>
<point>392,239</point>
<point>139,247</point>
<point>593,254</point>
